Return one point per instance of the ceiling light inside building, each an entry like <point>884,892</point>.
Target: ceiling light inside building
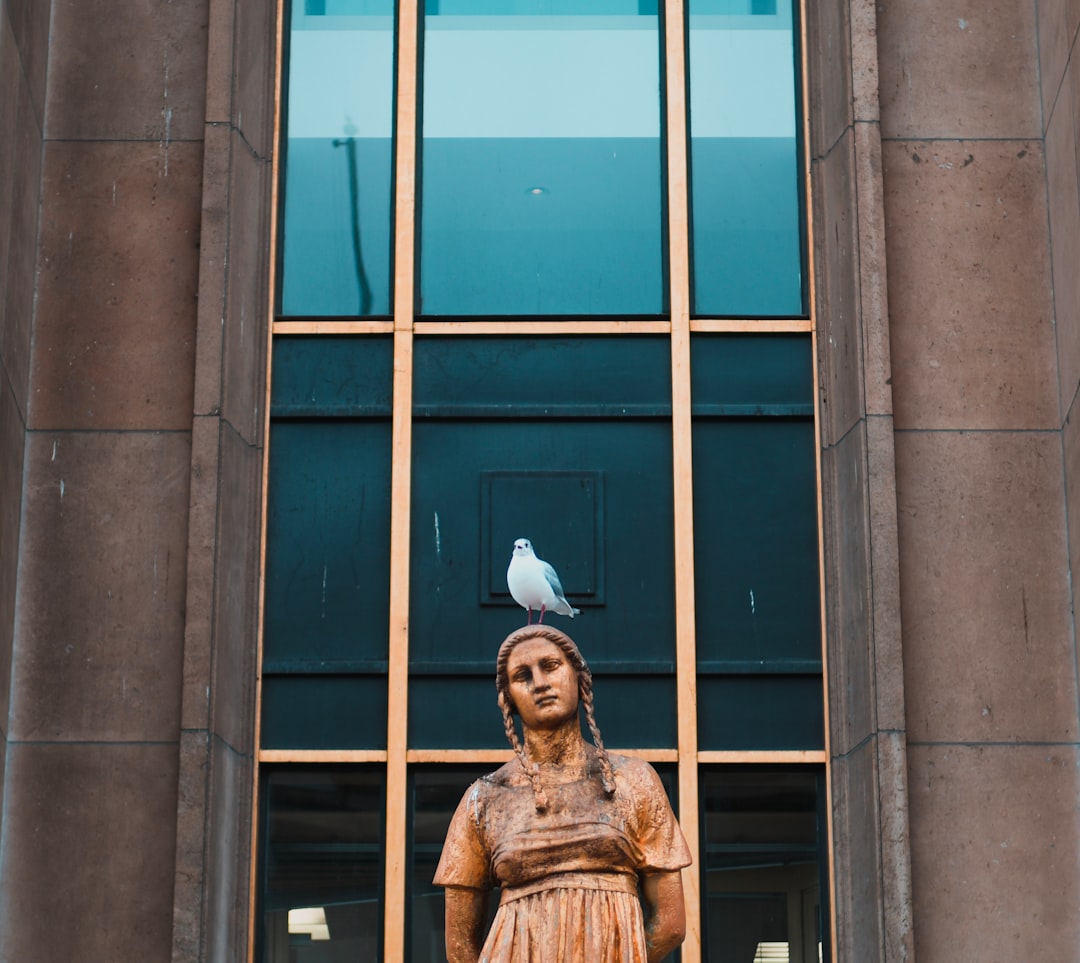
<point>310,920</point>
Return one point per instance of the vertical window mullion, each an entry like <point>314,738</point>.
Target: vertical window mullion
<point>679,275</point>
<point>401,473</point>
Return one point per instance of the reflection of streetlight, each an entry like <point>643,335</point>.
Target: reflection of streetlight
<point>536,191</point>
<point>349,143</point>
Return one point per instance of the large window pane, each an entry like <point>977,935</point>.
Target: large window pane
<point>322,865</point>
<point>434,795</point>
<point>764,876</point>
<point>744,159</point>
<point>542,186</point>
<point>338,151</point>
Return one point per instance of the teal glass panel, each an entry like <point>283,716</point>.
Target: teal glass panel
<point>764,864</point>
<point>313,711</point>
<point>324,376</point>
<point>336,229</point>
<point>460,711</point>
<point>542,377</point>
<point>768,374</point>
<point>747,235</point>
<point>755,544</point>
<point>322,865</point>
<point>541,189</point>
<point>768,711</point>
<point>328,543</point>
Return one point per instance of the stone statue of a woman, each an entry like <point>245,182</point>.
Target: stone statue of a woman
<point>583,843</point>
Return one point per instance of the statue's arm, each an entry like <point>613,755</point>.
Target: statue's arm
<point>466,913</point>
<point>665,913</point>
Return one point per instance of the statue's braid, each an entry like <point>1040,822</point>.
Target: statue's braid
<point>607,773</point>
<point>532,771</point>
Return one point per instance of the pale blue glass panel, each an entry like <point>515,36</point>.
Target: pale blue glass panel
<point>336,236</point>
<point>541,190</point>
<point>744,146</point>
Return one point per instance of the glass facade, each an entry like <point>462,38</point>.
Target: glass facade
<point>538,280</point>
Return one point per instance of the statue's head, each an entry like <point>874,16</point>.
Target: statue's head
<point>548,634</point>
<point>585,699</point>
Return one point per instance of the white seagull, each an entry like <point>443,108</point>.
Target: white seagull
<point>534,584</point>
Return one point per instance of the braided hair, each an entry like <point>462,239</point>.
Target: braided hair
<point>585,696</point>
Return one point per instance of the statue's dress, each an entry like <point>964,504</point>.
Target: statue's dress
<point>569,876</point>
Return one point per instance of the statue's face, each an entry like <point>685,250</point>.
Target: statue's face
<point>543,684</point>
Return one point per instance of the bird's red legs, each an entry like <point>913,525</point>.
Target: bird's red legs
<point>529,610</point>
<point>543,609</point>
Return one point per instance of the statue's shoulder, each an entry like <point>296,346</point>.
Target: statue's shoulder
<point>631,765</point>
<point>637,772</point>
<point>510,774</point>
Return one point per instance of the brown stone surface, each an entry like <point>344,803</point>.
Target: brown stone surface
<point>988,654</point>
<point>133,72</point>
<point>1058,22</point>
<point>199,596</point>
<point>227,873</point>
<point>848,590</point>
<point>888,666</point>
<point>30,26</point>
<point>253,107</point>
<point>872,274</point>
<point>88,840</point>
<point>17,272</point>
<point>971,318</point>
<point>994,852</point>
<point>894,833</point>
<point>102,582</point>
<point>1071,446</point>
<point>10,83</point>
<point>865,81</point>
<point>114,336</point>
<point>859,889</point>
<point>194,766</point>
<point>219,61</point>
<point>213,261</point>
<point>1062,175</point>
<point>838,297</point>
<point>828,33</point>
<point>235,606</point>
<point>247,318</point>
<point>12,440</point>
<point>954,69</point>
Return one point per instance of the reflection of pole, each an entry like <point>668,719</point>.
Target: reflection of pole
<point>349,143</point>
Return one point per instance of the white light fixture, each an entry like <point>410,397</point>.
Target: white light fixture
<point>310,920</point>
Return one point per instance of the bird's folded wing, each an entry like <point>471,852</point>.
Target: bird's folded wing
<point>553,579</point>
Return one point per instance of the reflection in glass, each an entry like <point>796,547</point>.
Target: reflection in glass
<point>322,865</point>
<point>762,870</point>
<point>744,153</point>
<point>541,188</point>
<point>336,232</point>
<point>436,792</point>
